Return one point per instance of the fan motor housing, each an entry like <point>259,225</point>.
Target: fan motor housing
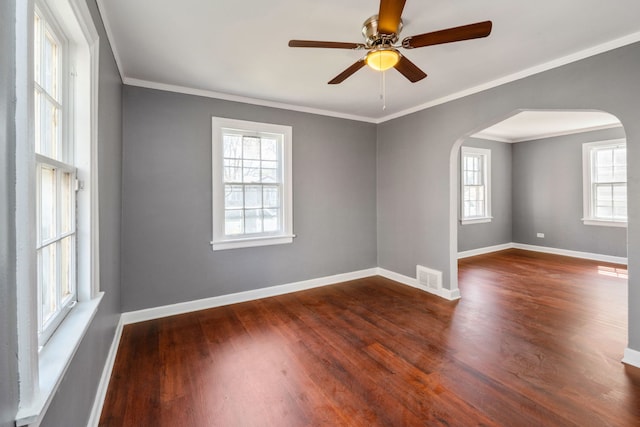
<point>373,38</point>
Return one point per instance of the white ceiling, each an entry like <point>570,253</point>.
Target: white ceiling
<point>529,125</point>
<point>238,49</point>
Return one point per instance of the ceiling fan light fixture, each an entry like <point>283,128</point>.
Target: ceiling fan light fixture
<point>382,59</point>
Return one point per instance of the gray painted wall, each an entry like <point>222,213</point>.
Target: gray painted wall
<point>499,230</point>
<point>166,255</point>
<point>73,402</point>
<point>8,327</point>
<point>416,222</point>
<point>547,188</point>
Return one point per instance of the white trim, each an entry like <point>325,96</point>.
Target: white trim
<point>284,134</point>
<point>476,220</point>
<point>559,62</point>
<point>107,28</point>
<point>485,155</point>
<point>587,182</point>
<point>485,250</point>
<point>25,214</point>
<point>55,359</point>
<point>602,223</point>
<point>586,53</point>
<point>246,100</point>
<point>544,249</point>
<point>482,135</point>
<point>103,385</point>
<point>202,304</point>
<point>573,254</point>
<point>448,294</point>
<point>631,357</point>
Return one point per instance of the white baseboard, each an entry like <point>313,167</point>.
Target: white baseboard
<point>202,304</point>
<point>631,357</point>
<point>486,250</point>
<point>101,394</point>
<point>574,254</point>
<point>410,281</point>
<point>546,250</point>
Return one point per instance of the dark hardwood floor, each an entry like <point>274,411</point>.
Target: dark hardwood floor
<point>536,340</point>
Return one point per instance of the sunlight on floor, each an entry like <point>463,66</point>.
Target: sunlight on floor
<point>613,272</point>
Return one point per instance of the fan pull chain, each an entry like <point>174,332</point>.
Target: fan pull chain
<point>383,91</point>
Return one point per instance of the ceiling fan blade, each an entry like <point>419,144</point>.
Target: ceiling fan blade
<point>347,73</point>
<point>329,45</point>
<point>389,16</point>
<point>409,70</point>
<point>456,34</point>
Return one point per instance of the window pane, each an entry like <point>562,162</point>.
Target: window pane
<point>251,171</point>
<point>271,221</point>
<point>233,222</point>
<point>233,197</point>
<point>47,203</point>
<point>604,212</point>
<point>270,172</point>
<point>37,48</point>
<point>253,196</point>
<point>270,197</point>
<point>604,174</point>
<point>50,65</point>
<point>47,282</point>
<point>37,119</point>
<point>620,193</point>
<point>66,267</point>
<point>50,132</point>
<point>604,158</point>
<point>251,148</point>
<point>232,170</point>
<point>473,193</point>
<point>603,194</point>
<point>253,221</point>
<point>232,146</point>
<point>480,192</point>
<point>620,157</point>
<point>66,202</point>
<point>269,149</point>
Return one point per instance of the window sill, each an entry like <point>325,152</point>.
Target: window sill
<point>55,357</point>
<point>476,220</point>
<point>604,223</point>
<point>252,242</point>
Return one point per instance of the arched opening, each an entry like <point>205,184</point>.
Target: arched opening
<point>522,127</point>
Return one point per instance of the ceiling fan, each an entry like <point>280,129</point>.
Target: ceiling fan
<point>381,37</point>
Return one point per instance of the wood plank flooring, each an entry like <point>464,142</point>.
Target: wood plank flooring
<point>536,340</point>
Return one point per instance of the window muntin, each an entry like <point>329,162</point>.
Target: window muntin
<point>251,184</point>
<point>475,203</point>
<point>605,182</point>
<point>55,180</point>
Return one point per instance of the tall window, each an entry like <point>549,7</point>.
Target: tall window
<point>475,192</point>
<point>55,180</point>
<point>605,183</point>
<point>57,259</point>
<point>251,184</point>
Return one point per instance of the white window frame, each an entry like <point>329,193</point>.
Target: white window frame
<point>589,217</point>
<point>220,241</point>
<point>60,162</point>
<point>41,368</point>
<point>485,155</point>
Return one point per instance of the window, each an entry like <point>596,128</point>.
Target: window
<point>251,184</point>
<point>56,188</point>
<point>55,179</point>
<point>605,183</point>
<point>475,168</point>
